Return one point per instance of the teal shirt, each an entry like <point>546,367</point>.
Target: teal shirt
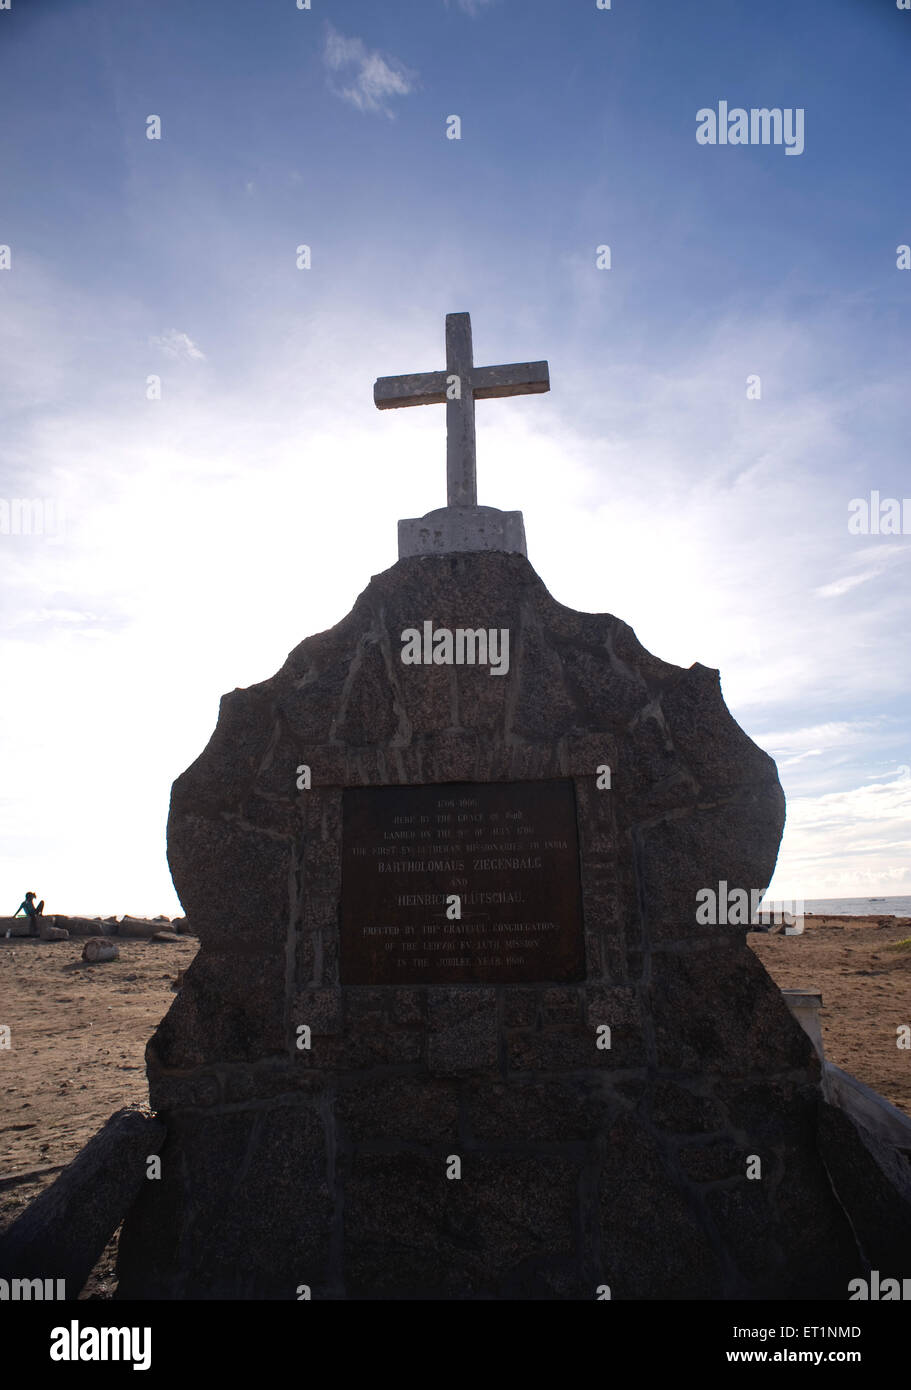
<point>26,907</point>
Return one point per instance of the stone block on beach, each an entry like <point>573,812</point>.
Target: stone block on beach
<point>15,926</point>
<point>137,927</point>
<point>100,948</point>
<point>49,931</point>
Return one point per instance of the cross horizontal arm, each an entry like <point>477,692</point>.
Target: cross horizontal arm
<point>517,379</point>
<point>422,388</point>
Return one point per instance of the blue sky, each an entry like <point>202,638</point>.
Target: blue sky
<point>205,533</point>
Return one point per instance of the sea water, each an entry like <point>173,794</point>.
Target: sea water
<point>850,907</point>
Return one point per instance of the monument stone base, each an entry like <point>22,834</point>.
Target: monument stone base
<point>576,1085</point>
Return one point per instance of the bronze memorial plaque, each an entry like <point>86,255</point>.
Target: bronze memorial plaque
<point>508,851</point>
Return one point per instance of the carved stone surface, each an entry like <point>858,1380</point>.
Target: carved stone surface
<point>603,1126</point>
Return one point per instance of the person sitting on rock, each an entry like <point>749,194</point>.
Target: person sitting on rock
<point>31,911</point>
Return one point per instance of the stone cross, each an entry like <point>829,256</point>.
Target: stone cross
<point>460,385</point>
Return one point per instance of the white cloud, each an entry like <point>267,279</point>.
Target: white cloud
<point>179,346</point>
<point>877,801</point>
<point>888,554</point>
<point>31,617</point>
<point>847,843</point>
<point>843,586</point>
<point>836,734</point>
<point>366,79</point>
<point>799,757</point>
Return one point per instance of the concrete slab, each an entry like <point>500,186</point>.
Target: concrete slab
<point>453,529</point>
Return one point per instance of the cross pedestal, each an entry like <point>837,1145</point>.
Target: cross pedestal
<point>462,528</point>
<point>462,524</point>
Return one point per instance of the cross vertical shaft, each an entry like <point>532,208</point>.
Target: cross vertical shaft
<point>461,457</point>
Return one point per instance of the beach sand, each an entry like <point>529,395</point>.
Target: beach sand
<point>79,1033</point>
<point>865,988</point>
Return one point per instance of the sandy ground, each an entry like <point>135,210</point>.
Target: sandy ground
<point>79,1032</point>
<point>78,1036</point>
<point>865,988</point>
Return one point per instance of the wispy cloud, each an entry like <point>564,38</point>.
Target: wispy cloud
<point>58,616</point>
<point>888,555</point>
<point>179,346</point>
<point>363,77</point>
<point>799,758</point>
<point>792,746</point>
<point>847,842</point>
<point>878,801</point>
<point>843,586</point>
<point>470,6</point>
